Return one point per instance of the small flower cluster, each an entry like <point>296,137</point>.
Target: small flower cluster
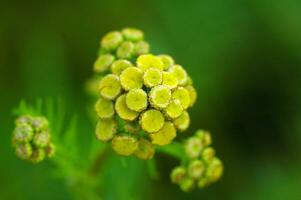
<point>32,139</point>
<point>149,95</point>
<point>202,168</point>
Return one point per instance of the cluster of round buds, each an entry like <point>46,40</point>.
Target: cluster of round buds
<point>149,95</point>
<point>202,168</point>
<point>32,139</point>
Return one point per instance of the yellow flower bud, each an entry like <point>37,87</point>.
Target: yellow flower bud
<point>203,182</point>
<point>105,129</point>
<point>145,150</point>
<point>136,100</point>
<point>131,78</point>
<point>118,66</point>
<point>132,34</point>
<point>26,119</point>
<point>182,122</point>
<point>208,154</point>
<point>152,120</point>
<point>167,61</point>
<point>104,108</point>
<point>141,47</point>
<point>152,77</point>
<point>192,94</point>
<point>124,145</point>
<point>196,169</point>
<point>180,73</point>
<point>215,170</point>
<point>169,80</point>
<point>50,150</point>
<point>187,184</point>
<point>165,135</point>
<point>125,50</point>
<point>37,155</point>
<point>174,109</point>
<point>23,133</point>
<point>24,151</point>
<point>103,63</point>
<point>41,139</point>
<point>122,109</point>
<point>178,174</point>
<point>147,61</point>
<point>205,137</point>
<point>109,86</point>
<point>39,124</point>
<point>160,96</point>
<point>193,147</point>
<point>183,96</point>
<point>111,40</point>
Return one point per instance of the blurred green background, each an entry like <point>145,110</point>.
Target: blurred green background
<point>244,58</point>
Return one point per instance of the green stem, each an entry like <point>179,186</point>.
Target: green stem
<point>174,149</point>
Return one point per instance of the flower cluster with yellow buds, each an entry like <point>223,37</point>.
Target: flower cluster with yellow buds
<point>32,139</point>
<point>202,167</point>
<point>143,98</point>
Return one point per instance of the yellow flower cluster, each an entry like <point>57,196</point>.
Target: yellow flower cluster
<point>32,139</point>
<point>202,168</point>
<point>142,102</point>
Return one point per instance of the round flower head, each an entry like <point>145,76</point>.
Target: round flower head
<point>178,174</point>
<point>205,137</point>
<point>187,184</point>
<point>132,34</point>
<point>23,133</point>
<point>179,72</point>
<point>215,170</point>
<point>160,96</point>
<point>50,150</point>
<point>104,108</point>
<point>196,169</point>
<point>174,109</point>
<point>105,129</point>
<point>193,147</point>
<point>41,139</point>
<point>165,135</point>
<point>141,47</point>
<point>103,63</point>
<point>182,122</point>
<point>111,40</point>
<point>147,61</point>
<point>124,145</point>
<point>152,121</point>
<point>24,120</point>
<point>208,154</point>
<point>169,80</point>
<point>109,86</point>
<point>192,93</point>
<point>183,96</point>
<point>136,100</point>
<point>125,50</point>
<point>167,61</point>
<point>203,182</point>
<point>39,123</point>
<point>131,78</point>
<point>119,65</point>
<point>152,77</point>
<point>145,150</point>
<point>37,155</point>
<point>24,151</point>
<point>123,111</point>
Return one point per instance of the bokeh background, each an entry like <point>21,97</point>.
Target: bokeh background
<point>244,58</point>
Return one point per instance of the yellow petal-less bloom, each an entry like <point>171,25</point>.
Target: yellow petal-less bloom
<point>131,78</point>
<point>105,129</point>
<point>160,96</point>
<point>125,50</point>
<point>215,170</point>
<point>41,139</point>
<point>167,61</point>
<point>165,135</point>
<point>203,182</point>
<point>136,100</point>
<point>122,109</point>
<point>50,150</point>
<point>169,80</point>
<point>103,63</point>
<point>196,168</point>
<point>182,122</point>
<point>145,150</point>
<point>183,96</point>
<point>187,184</point>
<point>208,154</point>
<point>141,48</point>
<point>104,108</point>
<point>132,34</point>
<point>174,109</point>
<point>193,147</point>
<point>119,65</point>
<point>192,94</point>
<point>37,155</point>
<point>180,73</point>
<point>124,145</point>
<point>152,77</point>
<point>178,174</point>
<point>205,137</point>
<point>109,86</point>
<point>24,151</point>
<point>152,121</point>
<point>147,61</point>
<point>23,133</point>
<point>111,40</point>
